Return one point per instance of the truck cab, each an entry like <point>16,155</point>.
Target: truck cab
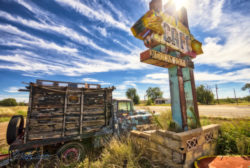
<point>126,118</point>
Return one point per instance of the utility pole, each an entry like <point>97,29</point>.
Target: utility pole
<point>235,97</point>
<point>216,87</point>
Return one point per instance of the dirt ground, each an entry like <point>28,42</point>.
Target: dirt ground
<point>225,111</point>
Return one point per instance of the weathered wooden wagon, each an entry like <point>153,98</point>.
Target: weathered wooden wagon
<point>65,118</point>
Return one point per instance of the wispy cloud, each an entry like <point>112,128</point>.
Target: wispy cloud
<point>241,76</point>
<point>93,14</point>
<point>102,31</point>
<point>12,89</point>
<point>156,78</point>
<point>228,47</point>
<point>96,81</point>
<point>21,38</point>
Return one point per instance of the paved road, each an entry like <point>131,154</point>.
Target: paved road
<point>228,111</point>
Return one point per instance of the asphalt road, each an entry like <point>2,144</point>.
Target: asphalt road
<point>227,111</point>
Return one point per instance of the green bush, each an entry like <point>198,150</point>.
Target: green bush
<point>247,98</point>
<point>204,95</point>
<point>234,137</point>
<point>22,104</point>
<point>149,102</point>
<point>8,102</point>
<point>154,93</point>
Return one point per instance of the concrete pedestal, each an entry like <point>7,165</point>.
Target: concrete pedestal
<point>178,150</point>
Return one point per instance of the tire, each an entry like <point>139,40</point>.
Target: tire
<point>71,152</point>
<point>15,128</point>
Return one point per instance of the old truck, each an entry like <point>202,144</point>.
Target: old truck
<point>65,119</point>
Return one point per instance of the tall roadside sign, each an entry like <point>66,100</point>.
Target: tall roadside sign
<point>165,31</point>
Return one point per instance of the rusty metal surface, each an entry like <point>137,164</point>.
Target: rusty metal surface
<point>182,99</point>
<point>125,121</point>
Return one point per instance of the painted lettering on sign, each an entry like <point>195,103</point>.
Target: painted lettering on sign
<point>157,58</point>
<point>166,28</point>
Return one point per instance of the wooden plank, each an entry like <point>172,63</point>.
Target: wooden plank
<point>105,108</point>
<point>26,133</point>
<point>94,117</point>
<point>45,136</point>
<point>94,122</point>
<point>65,109</point>
<point>81,114</point>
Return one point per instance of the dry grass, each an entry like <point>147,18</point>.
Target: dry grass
<point>124,152</point>
<point>7,112</point>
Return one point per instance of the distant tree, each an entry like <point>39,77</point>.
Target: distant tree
<point>131,93</point>
<point>247,98</point>
<point>246,86</point>
<point>8,102</point>
<point>22,104</point>
<point>149,102</point>
<point>204,95</point>
<point>154,93</point>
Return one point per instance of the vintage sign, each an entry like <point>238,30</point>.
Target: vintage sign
<point>167,28</point>
<point>158,58</point>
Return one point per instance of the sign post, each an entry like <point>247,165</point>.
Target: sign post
<point>166,33</point>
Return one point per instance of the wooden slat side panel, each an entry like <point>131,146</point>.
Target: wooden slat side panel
<point>54,112</point>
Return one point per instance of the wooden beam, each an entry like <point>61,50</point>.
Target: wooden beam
<point>64,111</point>
<point>26,133</point>
<point>81,114</point>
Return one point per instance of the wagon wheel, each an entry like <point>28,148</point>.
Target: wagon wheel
<point>15,128</point>
<point>71,153</point>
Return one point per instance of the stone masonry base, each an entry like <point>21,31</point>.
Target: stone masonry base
<point>179,150</point>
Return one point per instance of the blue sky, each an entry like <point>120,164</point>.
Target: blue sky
<point>90,41</point>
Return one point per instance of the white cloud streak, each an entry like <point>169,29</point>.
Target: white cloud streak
<point>12,89</point>
<point>93,14</point>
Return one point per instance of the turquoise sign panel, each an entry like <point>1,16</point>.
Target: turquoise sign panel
<point>191,117</point>
<point>175,96</point>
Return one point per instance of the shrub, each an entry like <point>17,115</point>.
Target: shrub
<point>149,102</point>
<point>234,137</point>
<point>154,93</point>
<point>8,102</point>
<point>22,104</point>
<point>118,153</point>
<point>204,95</point>
<point>131,93</point>
<point>247,98</point>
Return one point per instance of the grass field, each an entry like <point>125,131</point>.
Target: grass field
<point>7,112</point>
<point>234,139</point>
